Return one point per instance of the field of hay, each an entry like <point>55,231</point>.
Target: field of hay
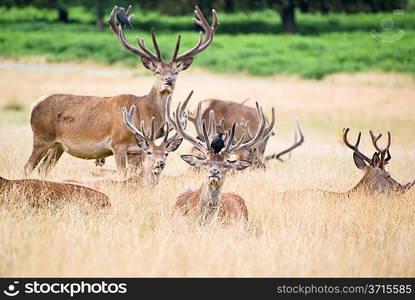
<point>306,235</point>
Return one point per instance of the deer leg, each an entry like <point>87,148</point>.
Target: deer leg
<point>50,159</point>
<point>120,155</point>
<point>135,162</point>
<point>38,152</point>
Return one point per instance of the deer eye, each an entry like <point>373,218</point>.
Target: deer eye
<point>158,72</point>
<point>149,152</point>
<point>166,154</point>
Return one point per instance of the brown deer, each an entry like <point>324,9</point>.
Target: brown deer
<point>154,155</point>
<point>229,112</point>
<point>209,199</point>
<point>53,192</point>
<point>375,179</point>
<point>90,127</point>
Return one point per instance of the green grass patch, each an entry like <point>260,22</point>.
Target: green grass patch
<point>245,42</point>
<point>265,21</point>
<point>13,105</point>
<point>256,54</point>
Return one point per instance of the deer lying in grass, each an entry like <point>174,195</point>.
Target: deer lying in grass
<point>90,127</point>
<point>209,199</point>
<point>53,192</point>
<point>229,112</point>
<point>154,155</point>
<point>375,179</point>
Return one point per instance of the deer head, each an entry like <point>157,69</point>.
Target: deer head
<point>165,71</point>
<point>154,155</point>
<point>217,163</point>
<point>376,178</point>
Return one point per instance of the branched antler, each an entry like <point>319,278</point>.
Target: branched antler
<point>355,147</point>
<point>297,143</point>
<point>202,43</point>
<point>202,143</point>
<point>143,51</point>
<point>383,152</point>
<point>128,117</point>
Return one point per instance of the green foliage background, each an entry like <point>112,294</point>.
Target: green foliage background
<point>245,42</point>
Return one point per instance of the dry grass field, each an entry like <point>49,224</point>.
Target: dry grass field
<point>302,235</point>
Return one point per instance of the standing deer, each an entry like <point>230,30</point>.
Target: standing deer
<point>209,198</point>
<point>90,127</point>
<point>53,192</point>
<point>154,155</point>
<point>229,112</point>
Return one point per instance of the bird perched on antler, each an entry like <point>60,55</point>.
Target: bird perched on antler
<point>122,17</point>
<point>218,143</point>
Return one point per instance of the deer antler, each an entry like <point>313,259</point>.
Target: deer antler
<point>119,31</point>
<point>202,43</point>
<point>355,148</point>
<point>129,122</point>
<point>178,126</point>
<point>382,152</point>
<point>297,143</point>
<point>263,132</point>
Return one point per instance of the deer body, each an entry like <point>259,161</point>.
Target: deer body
<point>91,127</point>
<point>69,123</point>
<point>230,205</point>
<point>53,192</point>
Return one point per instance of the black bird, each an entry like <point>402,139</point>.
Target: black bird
<point>217,142</point>
<point>122,18</point>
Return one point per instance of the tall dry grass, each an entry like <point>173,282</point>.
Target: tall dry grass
<point>306,235</point>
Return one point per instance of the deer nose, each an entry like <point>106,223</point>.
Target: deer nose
<point>214,172</point>
<point>161,164</point>
<point>169,79</point>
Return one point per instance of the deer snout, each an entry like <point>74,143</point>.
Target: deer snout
<point>161,164</point>
<point>169,79</point>
<point>214,172</point>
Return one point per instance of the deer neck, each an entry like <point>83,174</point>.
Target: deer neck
<point>148,177</point>
<point>157,99</point>
<point>210,195</point>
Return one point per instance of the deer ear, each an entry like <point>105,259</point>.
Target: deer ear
<point>192,160</point>
<point>173,145</point>
<point>360,163</point>
<point>183,65</point>
<point>148,64</point>
<point>376,160</point>
<point>239,165</point>
<point>141,142</point>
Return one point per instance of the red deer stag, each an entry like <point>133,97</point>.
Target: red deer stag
<point>154,155</point>
<point>90,127</point>
<point>53,192</point>
<point>375,179</point>
<point>229,112</point>
<point>209,199</point>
